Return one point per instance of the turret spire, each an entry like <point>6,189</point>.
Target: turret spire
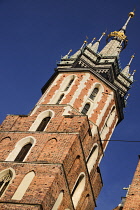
<point>66,56</point>
<point>95,46</point>
<point>85,42</point>
<point>132,76</point>
<point>125,71</point>
<point>93,40</point>
<point>75,55</point>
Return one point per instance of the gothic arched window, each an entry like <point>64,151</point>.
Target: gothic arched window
<point>22,149</point>
<point>60,98</point>
<point>86,108</point>
<point>43,124</point>
<point>94,93</point>
<point>42,121</point>
<point>78,189</point>
<point>23,152</point>
<point>5,178</point>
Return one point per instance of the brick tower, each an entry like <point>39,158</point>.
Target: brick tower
<point>132,199</point>
<point>49,159</point>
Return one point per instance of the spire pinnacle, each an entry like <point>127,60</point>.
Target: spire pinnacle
<point>103,34</point>
<point>132,75</point>
<point>132,57</point>
<point>130,15</point>
<point>125,71</point>
<point>95,46</point>
<point>66,56</point>
<point>93,40</point>
<point>85,42</point>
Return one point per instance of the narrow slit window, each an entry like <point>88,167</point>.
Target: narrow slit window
<point>60,98</point>
<point>86,108</point>
<point>23,152</point>
<point>69,84</point>
<point>94,93</point>
<point>43,124</point>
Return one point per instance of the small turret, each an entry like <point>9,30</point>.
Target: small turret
<point>132,76</point>
<point>95,46</point>
<point>126,70</point>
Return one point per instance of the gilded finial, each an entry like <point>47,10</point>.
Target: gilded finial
<point>131,14</point>
<point>85,42</point>
<point>133,73</point>
<point>66,56</point>
<point>93,40</point>
<point>69,52</point>
<point>132,56</point>
<point>103,34</point>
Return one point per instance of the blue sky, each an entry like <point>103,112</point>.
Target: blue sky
<point>33,36</point>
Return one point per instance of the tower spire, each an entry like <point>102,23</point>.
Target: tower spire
<point>117,37</point>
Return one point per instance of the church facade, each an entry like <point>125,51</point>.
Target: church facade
<point>49,159</point>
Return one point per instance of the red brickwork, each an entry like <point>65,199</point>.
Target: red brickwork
<point>61,151</point>
<point>133,197</point>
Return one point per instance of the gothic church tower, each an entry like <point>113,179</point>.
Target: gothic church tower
<point>49,159</point>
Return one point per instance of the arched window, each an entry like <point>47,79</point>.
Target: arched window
<point>69,84</point>
<point>23,186</point>
<point>5,178</point>
<point>42,121</point>
<point>78,189</point>
<point>86,108</point>
<point>92,158</point>
<point>43,124</point>
<point>23,152</point>
<point>60,98</point>
<point>58,201</point>
<point>94,93</point>
<point>22,149</point>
